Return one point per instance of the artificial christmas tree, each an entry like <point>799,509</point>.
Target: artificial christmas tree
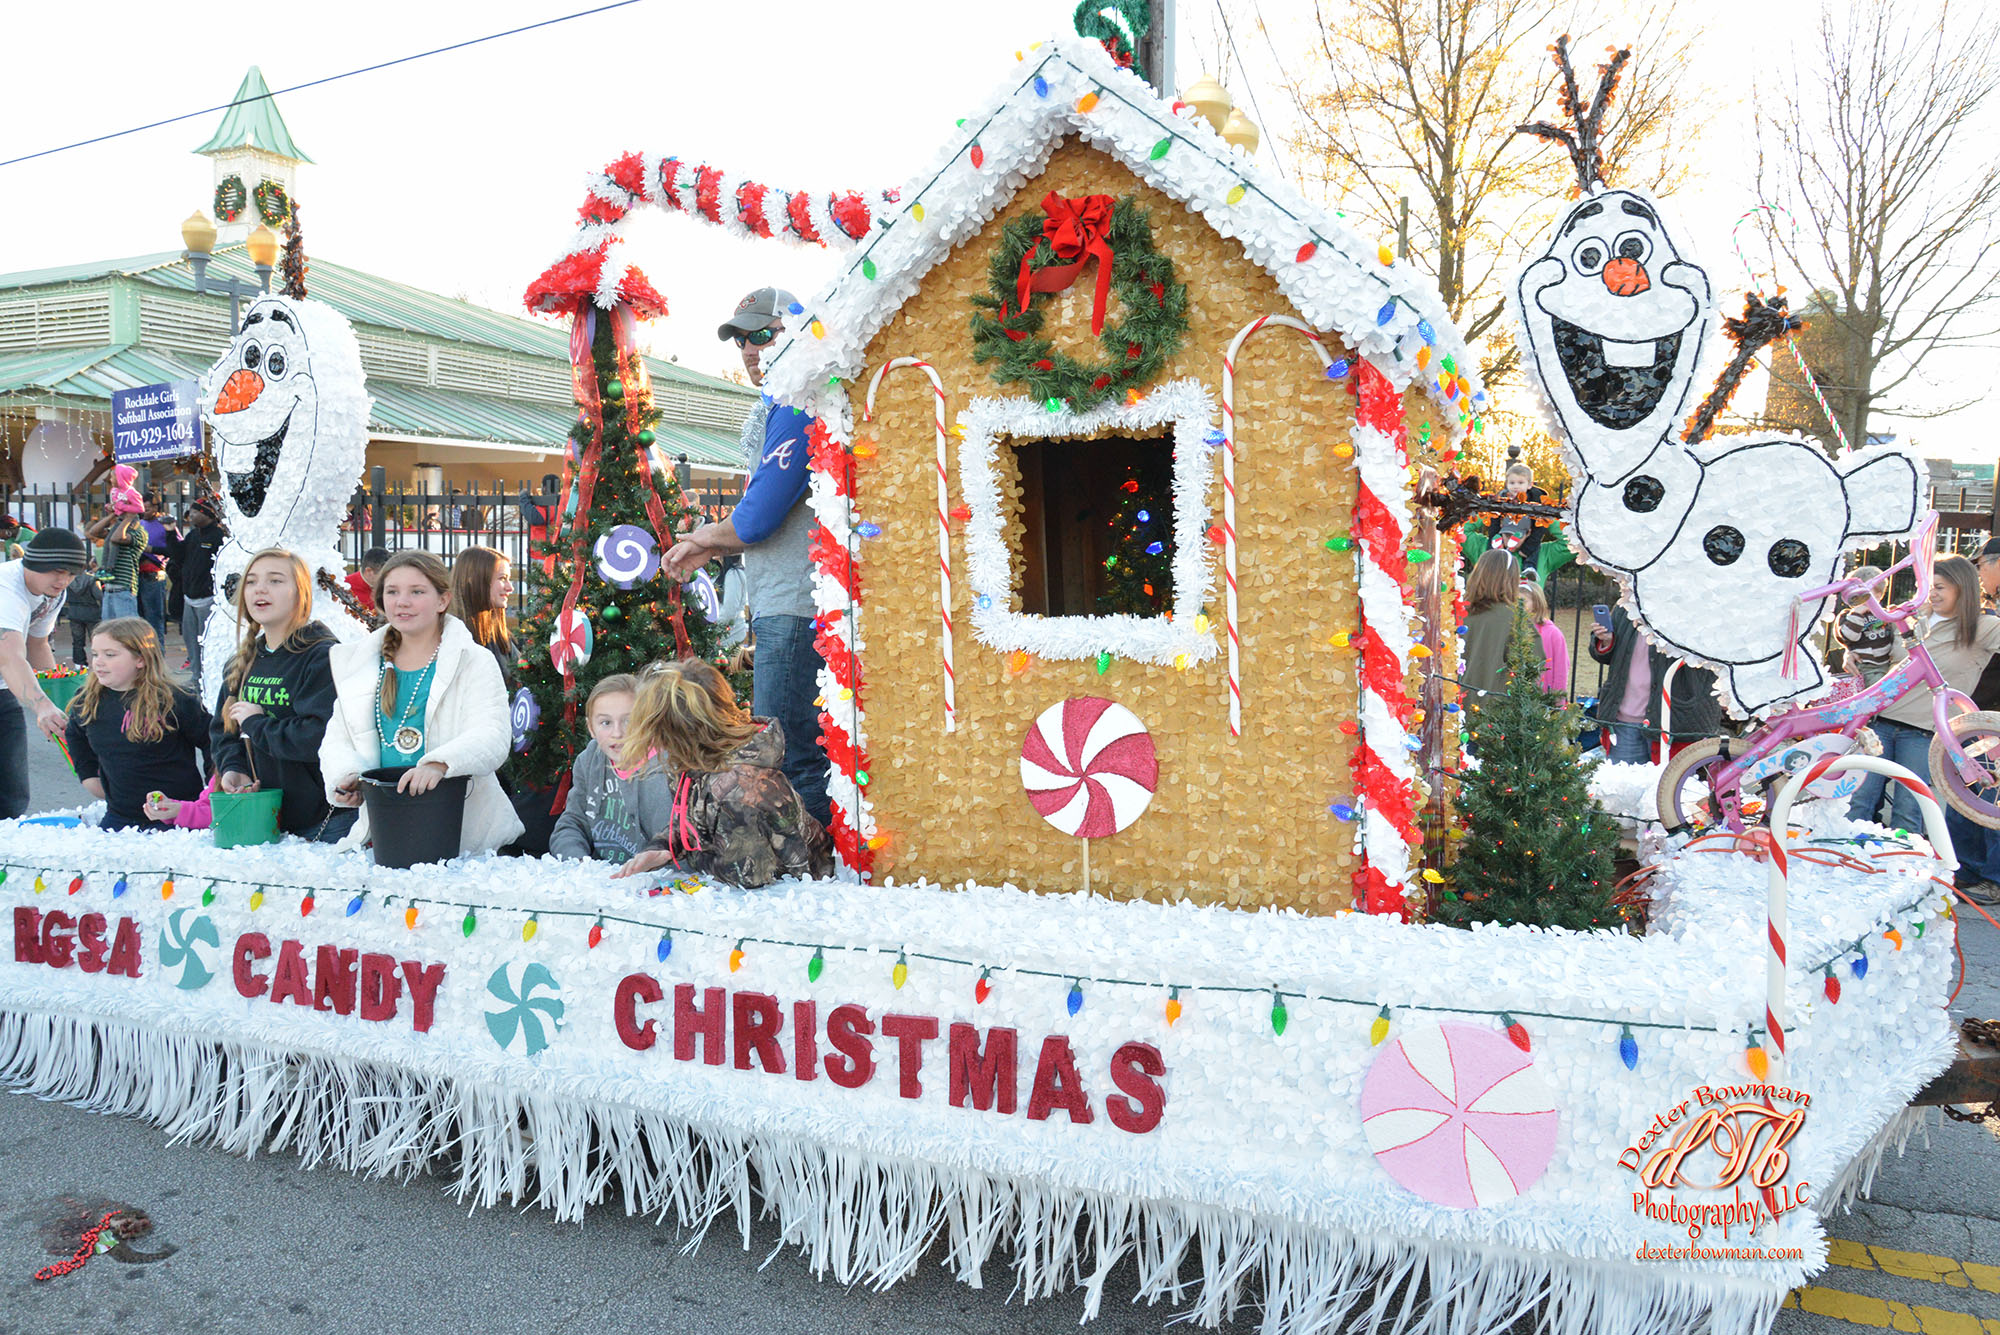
<point>599,604</point>
<point>1539,849</point>
<point>1139,572</point>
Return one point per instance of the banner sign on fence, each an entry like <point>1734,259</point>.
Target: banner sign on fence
<point>156,421</point>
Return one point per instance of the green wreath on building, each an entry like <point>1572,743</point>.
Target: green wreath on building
<point>1136,347</point>
<point>274,206</point>
<point>230,197</point>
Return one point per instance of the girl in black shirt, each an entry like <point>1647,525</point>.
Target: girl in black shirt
<point>132,731</point>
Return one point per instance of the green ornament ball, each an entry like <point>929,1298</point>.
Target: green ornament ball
<point>646,437</point>
<point>616,389</point>
<point>613,613</point>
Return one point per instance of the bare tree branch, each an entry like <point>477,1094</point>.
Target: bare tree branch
<point>1882,146</point>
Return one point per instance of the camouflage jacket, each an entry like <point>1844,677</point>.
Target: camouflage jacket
<point>745,824</point>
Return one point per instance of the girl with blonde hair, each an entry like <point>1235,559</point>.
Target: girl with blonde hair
<point>422,696</point>
<point>276,696</point>
<point>131,730</point>
<point>1555,646</point>
<point>735,815</point>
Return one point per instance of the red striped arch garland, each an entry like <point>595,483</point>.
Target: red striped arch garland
<point>836,559</point>
<point>590,269</point>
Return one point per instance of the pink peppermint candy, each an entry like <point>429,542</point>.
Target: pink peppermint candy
<point>1459,1115</point>
<point>570,646</point>
<point>1089,767</point>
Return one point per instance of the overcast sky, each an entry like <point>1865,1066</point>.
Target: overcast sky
<point>461,173</point>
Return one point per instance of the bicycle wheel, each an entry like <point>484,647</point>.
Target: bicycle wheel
<point>1979,734</point>
<point>1685,796</point>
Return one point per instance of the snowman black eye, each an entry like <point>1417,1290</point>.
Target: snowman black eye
<point>1789,558</point>
<point>1589,256</point>
<point>1635,246</point>
<point>251,354</point>
<point>274,364</point>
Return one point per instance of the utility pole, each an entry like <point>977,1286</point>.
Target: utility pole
<point>1403,230</point>
<point>1156,48</point>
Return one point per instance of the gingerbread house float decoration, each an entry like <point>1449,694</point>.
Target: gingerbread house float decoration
<point>1048,360</point>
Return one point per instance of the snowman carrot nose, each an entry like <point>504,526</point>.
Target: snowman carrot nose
<point>239,391</point>
<point>1625,276</point>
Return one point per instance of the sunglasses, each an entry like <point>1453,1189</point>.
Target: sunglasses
<point>756,338</point>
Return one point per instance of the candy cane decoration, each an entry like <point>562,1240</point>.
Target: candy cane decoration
<point>1667,711</point>
<point>943,518</point>
<point>1774,973</point>
<point>1229,496</point>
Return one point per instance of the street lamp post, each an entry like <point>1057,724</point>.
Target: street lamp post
<point>198,234</point>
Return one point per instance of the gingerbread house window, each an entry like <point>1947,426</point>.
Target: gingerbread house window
<point>1096,530</point>
<point>1059,561</point>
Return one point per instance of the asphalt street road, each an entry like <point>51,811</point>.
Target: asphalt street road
<point>263,1245</point>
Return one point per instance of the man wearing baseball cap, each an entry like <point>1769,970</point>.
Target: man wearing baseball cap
<point>193,555</point>
<point>772,527</point>
<point>32,591</point>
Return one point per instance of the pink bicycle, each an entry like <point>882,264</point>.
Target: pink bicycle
<point>1704,785</point>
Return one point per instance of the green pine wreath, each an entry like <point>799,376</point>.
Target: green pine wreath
<point>1136,347</point>
<point>230,197</point>
<point>273,204</point>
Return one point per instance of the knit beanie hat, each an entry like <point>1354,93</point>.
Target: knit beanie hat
<point>56,549</point>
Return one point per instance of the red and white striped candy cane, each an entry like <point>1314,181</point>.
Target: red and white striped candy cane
<point>1229,496</point>
<point>943,518</point>
<point>1667,710</point>
<point>1781,810</point>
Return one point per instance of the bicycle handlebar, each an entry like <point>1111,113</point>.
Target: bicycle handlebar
<point>1922,557</point>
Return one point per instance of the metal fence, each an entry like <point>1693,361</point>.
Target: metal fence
<point>444,522</point>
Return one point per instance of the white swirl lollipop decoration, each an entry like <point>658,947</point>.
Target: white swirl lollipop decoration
<point>525,716</point>
<point>627,555</point>
<point>702,589</point>
<point>1089,767</point>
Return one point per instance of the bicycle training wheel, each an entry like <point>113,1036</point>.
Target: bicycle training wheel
<point>1686,799</point>
<point>1979,734</point>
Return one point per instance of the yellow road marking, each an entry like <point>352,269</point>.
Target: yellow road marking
<point>1913,1265</point>
<point>1887,1314</point>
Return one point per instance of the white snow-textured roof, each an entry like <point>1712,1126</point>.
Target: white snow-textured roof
<point>1333,277</point>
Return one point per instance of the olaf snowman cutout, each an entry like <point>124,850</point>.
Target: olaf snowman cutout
<point>287,413</point>
<point>1711,540</point>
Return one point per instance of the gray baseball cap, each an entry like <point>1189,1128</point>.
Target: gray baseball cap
<point>760,310</point>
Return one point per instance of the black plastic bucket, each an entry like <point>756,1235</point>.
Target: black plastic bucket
<point>407,830</point>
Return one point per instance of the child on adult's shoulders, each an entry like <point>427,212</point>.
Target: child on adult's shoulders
<point>132,730</point>
<point>734,815</point>
<point>422,697</point>
<point>615,809</point>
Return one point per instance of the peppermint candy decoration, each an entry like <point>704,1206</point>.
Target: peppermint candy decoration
<point>1459,1115</point>
<point>702,589</point>
<point>1089,767</point>
<point>570,646</point>
<point>525,716</point>
<point>187,965</point>
<point>627,555</point>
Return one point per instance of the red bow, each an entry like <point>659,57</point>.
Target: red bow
<point>1075,231</point>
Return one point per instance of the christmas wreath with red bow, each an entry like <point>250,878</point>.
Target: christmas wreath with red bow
<point>1048,254</point>
<point>230,197</point>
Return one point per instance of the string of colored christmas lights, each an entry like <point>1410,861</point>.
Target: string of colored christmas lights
<point>598,917</point>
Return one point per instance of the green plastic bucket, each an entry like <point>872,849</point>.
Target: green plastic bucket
<point>61,690</point>
<point>245,818</point>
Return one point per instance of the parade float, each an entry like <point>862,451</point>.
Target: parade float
<point>1126,960</point>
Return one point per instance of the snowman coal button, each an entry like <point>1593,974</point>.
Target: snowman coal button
<point>1644,494</point>
<point>1723,544</point>
<point>1789,558</point>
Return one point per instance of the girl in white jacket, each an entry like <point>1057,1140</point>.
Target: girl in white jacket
<point>420,694</point>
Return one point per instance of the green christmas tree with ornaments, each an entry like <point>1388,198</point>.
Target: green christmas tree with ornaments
<point>622,506</point>
<point>1538,848</point>
<point>1138,572</point>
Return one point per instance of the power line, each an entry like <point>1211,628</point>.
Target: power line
<point>1230,33</point>
<point>366,69</point>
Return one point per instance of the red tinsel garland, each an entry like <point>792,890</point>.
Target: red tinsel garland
<point>829,456</point>
<point>835,561</point>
